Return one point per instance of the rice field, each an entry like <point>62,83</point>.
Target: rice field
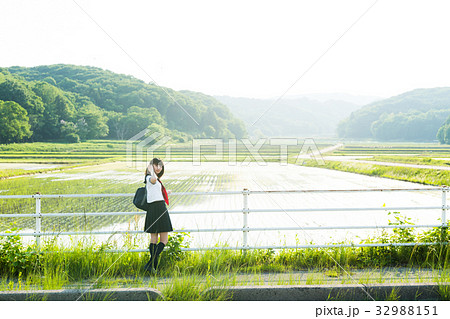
<point>185,177</point>
<point>102,167</point>
<point>412,149</point>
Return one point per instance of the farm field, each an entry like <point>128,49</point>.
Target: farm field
<point>120,176</point>
<point>104,151</point>
<point>99,167</point>
<point>368,148</point>
<point>423,163</point>
<point>430,154</point>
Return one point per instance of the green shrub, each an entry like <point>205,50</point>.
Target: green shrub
<point>173,252</point>
<point>14,258</point>
<point>72,138</point>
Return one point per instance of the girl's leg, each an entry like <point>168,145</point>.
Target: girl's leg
<point>152,249</point>
<point>153,238</point>
<point>164,238</point>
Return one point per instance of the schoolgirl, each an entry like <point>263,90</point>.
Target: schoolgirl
<point>157,220</point>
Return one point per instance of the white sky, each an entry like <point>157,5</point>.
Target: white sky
<point>239,48</point>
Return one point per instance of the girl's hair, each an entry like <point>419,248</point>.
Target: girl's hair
<point>155,161</point>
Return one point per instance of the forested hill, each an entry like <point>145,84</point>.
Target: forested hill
<point>295,117</point>
<point>412,116</point>
<point>68,102</point>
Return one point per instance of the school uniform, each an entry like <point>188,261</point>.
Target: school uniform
<point>157,219</point>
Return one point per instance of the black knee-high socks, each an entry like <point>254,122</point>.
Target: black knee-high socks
<point>152,249</point>
<point>155,251</point>
<point>159,249</point>
<point>149,265</point>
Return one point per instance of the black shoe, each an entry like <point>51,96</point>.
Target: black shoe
<point>148,268</point>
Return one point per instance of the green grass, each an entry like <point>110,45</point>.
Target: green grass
<point>409,153</point>
<point>38,147</point>
<point>368,148</point>
<point>416,175</point>
<point>419,160</point>
<point>85,258</point>
<point>85,264</point>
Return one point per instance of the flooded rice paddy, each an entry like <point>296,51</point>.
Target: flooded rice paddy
<point>185,177</point>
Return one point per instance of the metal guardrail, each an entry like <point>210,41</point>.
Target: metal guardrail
<point>245,211</point>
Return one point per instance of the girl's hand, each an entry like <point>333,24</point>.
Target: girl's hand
<point>152,175</point>
<point>169,191</point>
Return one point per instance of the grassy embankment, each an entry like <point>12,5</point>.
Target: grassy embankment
<point>185,275</point>
<point>420,154</point>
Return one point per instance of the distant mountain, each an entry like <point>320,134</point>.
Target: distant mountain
<point>288,117</point>
<point>345,97</point>
<point>412,116</point>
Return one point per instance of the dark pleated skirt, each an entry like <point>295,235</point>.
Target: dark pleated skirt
<point>157,219</point>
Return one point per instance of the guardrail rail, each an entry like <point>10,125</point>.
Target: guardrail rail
<point>245,211</point>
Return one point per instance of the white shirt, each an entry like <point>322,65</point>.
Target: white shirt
<point>154,192</point>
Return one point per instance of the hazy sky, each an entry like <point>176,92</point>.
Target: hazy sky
<point>239,48</point>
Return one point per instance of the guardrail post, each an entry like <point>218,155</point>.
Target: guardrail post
<point>444,214</point>
<point>38,221</point>
<point>444,206</point>
<point>245,211</point>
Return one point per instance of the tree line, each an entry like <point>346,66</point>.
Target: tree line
<point>72,103</point>
<point>413,116</point>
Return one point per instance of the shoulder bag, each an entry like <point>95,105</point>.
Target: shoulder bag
<point>140,198</point>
